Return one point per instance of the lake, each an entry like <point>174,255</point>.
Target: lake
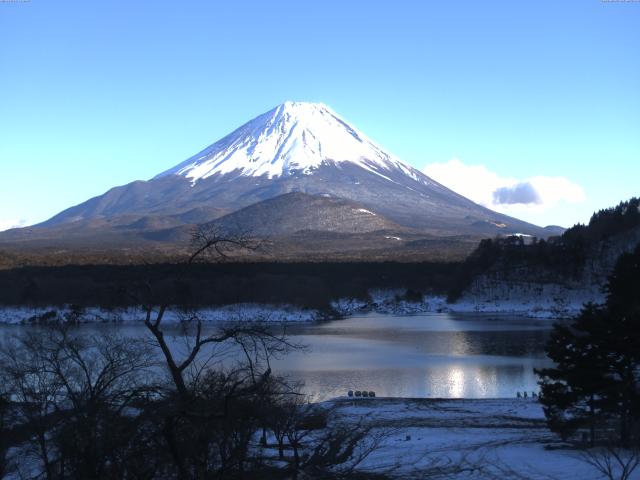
<point>434,355</point>
<point>431,355</point>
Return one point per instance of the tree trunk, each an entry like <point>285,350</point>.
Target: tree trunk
<point>624,431</point>
<point>592,423</point>
<point>296,460</point>
<point>296,457</point>
<point>173,448</point>
<point>45,456</point>
<point>241,466</point>
<point>176,374</point>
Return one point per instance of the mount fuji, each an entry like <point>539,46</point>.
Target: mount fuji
<point>298,169</point>
<point>293,137</point>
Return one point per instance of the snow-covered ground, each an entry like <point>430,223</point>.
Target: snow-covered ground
<point>550,300</point>
<point>543,303</point>
<point>387,302</point>
<point>464,439</point>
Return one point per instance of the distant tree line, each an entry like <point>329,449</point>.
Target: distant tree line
<point>563,256</point>
<point>310,285</point>
<point>605,223</point>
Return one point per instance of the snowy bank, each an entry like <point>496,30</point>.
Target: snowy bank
<point>538,301</point>
<point>548,301</point>
<point>236,312</point>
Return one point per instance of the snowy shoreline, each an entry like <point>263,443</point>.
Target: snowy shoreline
<point>389,302</point>
<point>534,306</point>
<point>236,312</point>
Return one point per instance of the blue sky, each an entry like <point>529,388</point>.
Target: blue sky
<point>540,95</point>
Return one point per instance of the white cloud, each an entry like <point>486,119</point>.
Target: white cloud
<point>11,223</point>
<point>513,196</point>
<point>522,192</point>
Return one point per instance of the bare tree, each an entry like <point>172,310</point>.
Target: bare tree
<point>71,393</point>
<point>221,378</point>
<point>340,451</point>
<point>283,416</point>
<point>36,394</point>
<point>207,240</point>
<point>6,424</point>
<point>614,463</point>
<point>211,241</point>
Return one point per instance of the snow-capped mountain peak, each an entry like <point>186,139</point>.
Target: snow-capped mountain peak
<point>292,137</point>
<point>301,168</point>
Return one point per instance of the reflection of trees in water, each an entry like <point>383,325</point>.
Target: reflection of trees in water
<point>512,343</point>
<point>504,343</point>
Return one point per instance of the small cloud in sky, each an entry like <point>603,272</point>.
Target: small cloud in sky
<point>523,192</point>
<point>509,195</point>
<point>11,223</point>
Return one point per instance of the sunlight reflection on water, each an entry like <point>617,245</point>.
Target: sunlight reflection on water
<point>438,355</point>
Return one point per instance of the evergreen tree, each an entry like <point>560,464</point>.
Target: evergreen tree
<point>595,382</point>
<point>571,389</point>
<point>622,343</point>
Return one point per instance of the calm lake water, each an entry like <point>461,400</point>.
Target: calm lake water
<point>433,355</point>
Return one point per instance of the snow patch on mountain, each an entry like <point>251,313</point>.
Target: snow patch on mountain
<point>364,210</point>
<point>292,137</point>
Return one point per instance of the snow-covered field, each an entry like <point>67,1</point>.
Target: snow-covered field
<point>464,439</point>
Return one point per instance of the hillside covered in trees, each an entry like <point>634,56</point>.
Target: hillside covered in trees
<point>582,257</point>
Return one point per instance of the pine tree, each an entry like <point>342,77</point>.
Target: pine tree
<point>571,389</point>
<point>595,382</point>
<point>623,343</point>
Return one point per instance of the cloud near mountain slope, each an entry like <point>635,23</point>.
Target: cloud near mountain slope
<point>8,224</point>
<point>505,194</point>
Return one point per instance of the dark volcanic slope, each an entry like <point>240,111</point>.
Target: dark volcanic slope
<point>422,204</point>
<point>298,212</point>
